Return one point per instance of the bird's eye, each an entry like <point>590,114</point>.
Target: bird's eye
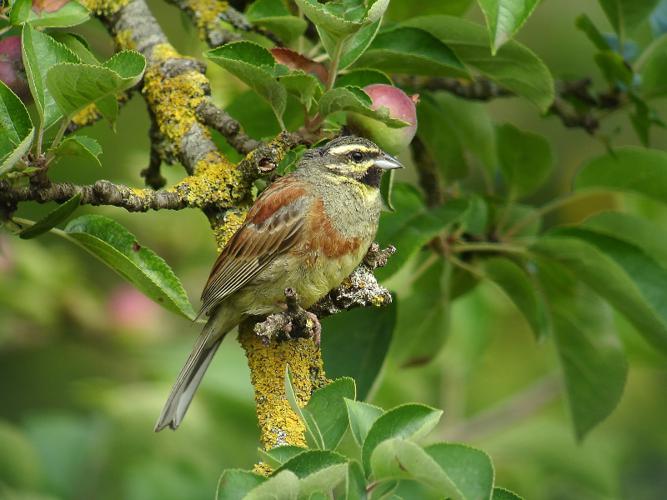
<point>357,156</point>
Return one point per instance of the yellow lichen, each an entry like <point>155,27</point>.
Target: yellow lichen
<point>278,423</point>
<point>216,182</point>
<point>86,116</point>
<point>173,100</point>
<point>206,14</point>
<point>104,7</point>
<point>378,300</point>
<point>225,228</point>
<point>125,40</point>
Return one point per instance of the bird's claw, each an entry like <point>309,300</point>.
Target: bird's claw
<point>293,322</point>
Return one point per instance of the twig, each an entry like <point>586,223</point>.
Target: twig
<point>101,193</point>
<point>577,91</point>
<point>508,413</point>
<point>228,127</point>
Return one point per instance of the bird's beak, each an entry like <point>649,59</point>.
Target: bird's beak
<point>387,162</point>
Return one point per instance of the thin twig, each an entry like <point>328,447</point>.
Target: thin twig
<point>228,127</point>
<point>508,413</point>
<point>100,193</point>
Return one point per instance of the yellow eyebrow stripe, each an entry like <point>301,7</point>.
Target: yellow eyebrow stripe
<point>346,148</point>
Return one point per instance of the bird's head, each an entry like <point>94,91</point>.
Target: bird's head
<point>353,158</point>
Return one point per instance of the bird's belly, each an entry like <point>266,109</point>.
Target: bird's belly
<point>312,278</point>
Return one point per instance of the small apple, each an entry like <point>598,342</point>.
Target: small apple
<point>12,72</point>
<point>400,105</point>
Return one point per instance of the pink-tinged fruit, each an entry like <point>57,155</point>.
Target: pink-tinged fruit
<point>48,5</point>
<point>129,309</point>
<point>400,106</point>
<point>11,67</point>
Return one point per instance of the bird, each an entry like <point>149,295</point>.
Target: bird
<point>307,231</point>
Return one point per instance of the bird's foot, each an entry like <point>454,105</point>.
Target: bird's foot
<point>293,322</point>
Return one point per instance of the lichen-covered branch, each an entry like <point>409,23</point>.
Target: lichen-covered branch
<point>173,87</point>
<point>207,16</point>
<point>278,423</point>
<point>100,193</point>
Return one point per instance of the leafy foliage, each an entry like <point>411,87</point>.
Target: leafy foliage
<point>392,456</point>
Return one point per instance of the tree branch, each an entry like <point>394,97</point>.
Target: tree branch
<point>574,105</point>
<point>101,193</point>
<point>228,127</point>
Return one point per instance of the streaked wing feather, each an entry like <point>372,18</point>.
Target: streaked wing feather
<point>272,228</point>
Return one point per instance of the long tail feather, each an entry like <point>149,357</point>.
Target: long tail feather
<point>191,374</point>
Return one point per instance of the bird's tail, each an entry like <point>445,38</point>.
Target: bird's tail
<point>192,373</point>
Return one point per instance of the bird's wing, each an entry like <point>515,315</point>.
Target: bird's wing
<point>272,227</point>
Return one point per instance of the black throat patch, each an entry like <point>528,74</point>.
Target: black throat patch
<point>372,177</point>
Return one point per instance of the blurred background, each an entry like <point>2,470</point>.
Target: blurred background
<point>86,361</point>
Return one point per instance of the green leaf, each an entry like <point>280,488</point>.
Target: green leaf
<point>118,248</point>
<point>362,77</point>
<point>327,20</point>
<point>339,19</point>
<point>312,461</point>
<point>361,416</point>
<point>413,225</point>
<point>16,130</point>
<point>274,16</point>
<point>526,159</point>
<point>441,139</point>
<point>327,408</point>
<point>317,470</point>
<point>357,44</point>
<point>514,67</point>
<point>585,24</point>
<point>53,218</point>
<point>412,51</point>
<point>254,65</point>
<point>504,18</point>
<point>632,229</point>
<point>409,421</point>
<point>355,488</point>
<point>78,45</point>
<point>81,146</point>
<point>74,86</point>
<point>504,494</point>
<point>70,14</point>
<point>282,486</point>
<point>633,169</point>
<point>591,355</point>
<point>626,15</point>
<point>614,68</point>
<point>275,457</point>
<point>356,343</point>
<point>418,343</point>
<point>41,53</point>
<point>472,125</point>
<point>401,459</point>
<point>304,86</point>
<point>356,100</point>
<point>235,484</point>
<point>519,288</point>
<point>20,12</point>
<point>622,274</point>
<point>469,469</point>
<point>312,430</point>
<point>652,69</point>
